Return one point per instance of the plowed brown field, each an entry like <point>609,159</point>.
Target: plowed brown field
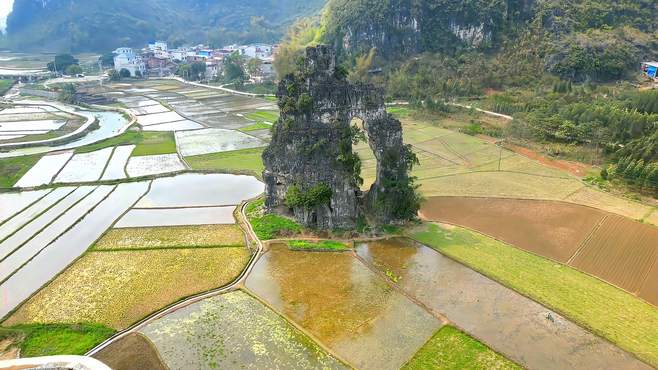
<point>621,251</point>
<point>550,229</point>
<point>616,249</point>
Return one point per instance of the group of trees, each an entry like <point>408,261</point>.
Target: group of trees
<point>65,64</point>
<point>192,72</point>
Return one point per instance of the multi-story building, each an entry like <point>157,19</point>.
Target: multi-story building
<point>125,58</point>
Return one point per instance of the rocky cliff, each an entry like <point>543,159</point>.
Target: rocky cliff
<point>310,168</point>
<point>404,27</point>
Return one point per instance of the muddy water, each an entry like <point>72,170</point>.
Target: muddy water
<point>198,190</point>
<point>344,304</point>
<point>521,329</point>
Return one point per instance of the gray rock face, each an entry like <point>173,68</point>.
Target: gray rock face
<point>311,148</point>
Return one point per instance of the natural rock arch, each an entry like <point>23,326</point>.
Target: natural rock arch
<point>309,165</point>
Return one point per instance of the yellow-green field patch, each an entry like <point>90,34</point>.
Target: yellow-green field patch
<point>117,289</point>
<point>449,348</point>
<point>172,237</point>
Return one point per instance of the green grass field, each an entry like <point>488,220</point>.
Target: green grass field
<point>12,169</point>
<point>263,115</point>
<point>55,339</point>
<point>323,245</point>
<point>610,312</point>
<point>256,126</point>
<point>245,160</point>
<point>450,348</point>
<point>147,143</point>
<point>5,85</point>
<point>269,226</point>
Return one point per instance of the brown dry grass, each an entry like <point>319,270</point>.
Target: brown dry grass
<point>119,288</point>
<point>172,237</point>
<point>621,251</point>
<point>134,351</point>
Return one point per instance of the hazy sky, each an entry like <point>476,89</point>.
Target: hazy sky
<point>5,9</point>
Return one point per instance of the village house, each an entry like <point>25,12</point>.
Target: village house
<point>125,58</point>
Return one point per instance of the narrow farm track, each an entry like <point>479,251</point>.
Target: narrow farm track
<point>196,298</point>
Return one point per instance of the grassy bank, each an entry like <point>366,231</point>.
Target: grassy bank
<point>146,143</point>
<point>604,309</point>
<point>12,169</point>
<point>323,245</point>
<point>55,339</point>
<point>449,348</point>
<point>5,85</point>
<point>248,160</point>
<point>269,226</point>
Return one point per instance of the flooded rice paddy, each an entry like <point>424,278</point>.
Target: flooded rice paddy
<point>234,330</point>
<point>56,256</point>
<point>200,190</point>
<point>32,211</point>
<point>40,224</point>
<point>85,167</point>
<point>521,329</point>
<point>177,217</point>
<point>43,172</point>
<point>214,140</point>
<point>116,166</point>
<point>12,203</point>
<point>27,250</point>
<point>111,124</point>
<point>154,165</point>
<point>183,125</point>
<point>349,308</point>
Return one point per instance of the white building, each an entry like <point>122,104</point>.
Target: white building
<point>158,45</point>
<point>260,51</point>
<point>125,58</point>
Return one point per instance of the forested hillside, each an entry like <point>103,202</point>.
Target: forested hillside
<point>97,25</point>
<point>566,70</point>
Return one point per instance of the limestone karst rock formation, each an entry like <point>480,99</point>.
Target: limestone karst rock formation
<point>310,168</point>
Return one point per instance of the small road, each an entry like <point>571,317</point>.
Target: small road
<point>199,297</point>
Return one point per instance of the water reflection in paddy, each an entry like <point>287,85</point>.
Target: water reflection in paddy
<point>507,321</point>
<point>111,124</point>
<point>199,190</point>
<point>344,304</point>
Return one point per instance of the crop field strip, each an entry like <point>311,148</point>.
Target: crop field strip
<point>24,252</point>
<point>489,311</point>
<point>600,307</point>
<point>45,170</point>
<point>118,288</point>
<point>70,245</point>
<point>31,213</point>
<point>12,204</point>
<point>615,249</point>
<point>621,251</point>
